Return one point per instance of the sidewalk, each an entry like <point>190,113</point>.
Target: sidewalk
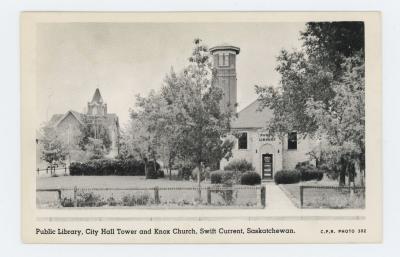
<point>276,198</point>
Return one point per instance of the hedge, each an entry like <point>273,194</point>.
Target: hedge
<point>239,165</point>
<point>287,177</point>
<point>112,167</point>
<point>224,177</point>
<point>309,171</point>
<point>250,178</point>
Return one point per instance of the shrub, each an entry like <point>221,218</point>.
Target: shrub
<point>108,167</point>
<point>239,165</point>
<point>132,200</point>
<point>287,177</point>
<point>153,171</point>
<point>90,199</point>
<point>309,171</point>
<point>185,171</point>
<point>250,178</point>
<point>226,177</point>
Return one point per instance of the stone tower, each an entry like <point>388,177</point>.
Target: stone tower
<point>97,107</point>
<point>224,63</point>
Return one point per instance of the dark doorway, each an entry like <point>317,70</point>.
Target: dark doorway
<point>267,166</point>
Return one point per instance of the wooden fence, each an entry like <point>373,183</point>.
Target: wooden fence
<point>155,192</point>
<point>52,170</point>
<point>346,189</point>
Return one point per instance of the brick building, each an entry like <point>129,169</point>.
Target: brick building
<point>253,142</point>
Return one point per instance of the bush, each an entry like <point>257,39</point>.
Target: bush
<point>185,171</point>
<point>309,171</point>
<point>250,178</point>
<point>110,167</point>
<point>239,165</point>
<point>153,172</point>
<point>226,177</point>
<point>287,177</point>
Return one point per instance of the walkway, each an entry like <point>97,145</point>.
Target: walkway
<point>276,198</point>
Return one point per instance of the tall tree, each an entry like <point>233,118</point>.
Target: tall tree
<point>316,83</point>
<point>184,120</point>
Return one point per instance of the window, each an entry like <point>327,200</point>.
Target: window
<point>292,141</point>
<point>242,142</point>
<point>226,59</point>
<point>223,60</point>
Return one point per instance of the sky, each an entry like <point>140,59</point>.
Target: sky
<point>126,59</point>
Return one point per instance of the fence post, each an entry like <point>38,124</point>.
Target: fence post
<point>301,196</point>
<point>75,199</point>
<point>59,195</point>
<point>156,195</point>
<point>263,196</point>
<point>258,197</point>
<point>208,195</point>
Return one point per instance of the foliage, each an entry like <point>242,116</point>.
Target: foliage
<point>135,200</point>
<point>309,171</point>
<point>183,122</point>
<point>287,177</point>
<point>250,178</point>
<point>54,150</point>
<point>89,199</point>
<point>239,165</point>
<point>108,167</point>
<point>225,177</point>
<point>153,171</point>
<point>185,170</point>
<point>322,92</point>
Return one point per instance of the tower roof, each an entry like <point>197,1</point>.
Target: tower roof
<point>224,46</point>
<point>97,97</point>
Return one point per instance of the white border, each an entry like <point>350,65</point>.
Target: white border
<point>10,152</point>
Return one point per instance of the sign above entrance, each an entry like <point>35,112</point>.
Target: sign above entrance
<point>265,136</point>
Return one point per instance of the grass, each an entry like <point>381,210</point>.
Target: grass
<point>323,198</point>
<point>110,197</point>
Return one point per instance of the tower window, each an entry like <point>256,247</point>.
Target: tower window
<point>226,59</point>
<point>292,141</point>
<point>242,142</point>
<point>223,60</point>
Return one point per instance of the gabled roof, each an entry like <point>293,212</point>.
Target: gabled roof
<point>252,117</point>
<point>77,115</point>
<point>97,97</point>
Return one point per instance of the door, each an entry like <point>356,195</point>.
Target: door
<point>267,167</point>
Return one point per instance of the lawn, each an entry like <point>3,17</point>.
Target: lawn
<point>111,191</point>
<point>323,198</point>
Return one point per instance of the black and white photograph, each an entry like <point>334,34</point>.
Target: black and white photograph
<point>209,127</point>
<point>207,115</point>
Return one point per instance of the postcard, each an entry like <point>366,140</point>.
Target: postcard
<point>201,127</point>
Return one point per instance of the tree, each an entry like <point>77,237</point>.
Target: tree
<point>203,124</point>
<point>184,120</point>
<point>94,139</point>
<point>343,124</point>
<point>315,79</point>
<point>309,73</point>
<point>54,150</point>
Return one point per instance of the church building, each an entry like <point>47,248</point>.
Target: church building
<point>69,125</point>
<point>253,142</point>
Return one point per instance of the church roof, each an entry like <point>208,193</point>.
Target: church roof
<point>97,97</point>
<point>77,115</point>
<point>252,117</point>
